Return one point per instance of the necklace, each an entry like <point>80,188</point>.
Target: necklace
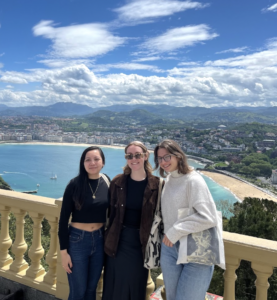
<point>93,193</point>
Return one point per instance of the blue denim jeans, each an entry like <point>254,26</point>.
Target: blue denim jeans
<point>184,281</point>
<point>86,250</point>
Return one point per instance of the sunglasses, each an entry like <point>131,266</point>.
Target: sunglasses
<point>130,156</point>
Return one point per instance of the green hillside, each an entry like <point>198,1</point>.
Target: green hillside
<point>4,185</point>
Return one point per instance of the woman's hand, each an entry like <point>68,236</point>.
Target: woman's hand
<point>66,261</point>
<point>167,242</point>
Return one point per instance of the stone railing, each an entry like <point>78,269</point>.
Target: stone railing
<point>54,281</point>
<point>261,253</point>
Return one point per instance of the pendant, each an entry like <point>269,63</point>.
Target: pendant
<point>93,197</point>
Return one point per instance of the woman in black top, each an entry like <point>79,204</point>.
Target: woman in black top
<point>133,200</point>
<point>86,200</point>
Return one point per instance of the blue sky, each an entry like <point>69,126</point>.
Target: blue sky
<point>100,53</point>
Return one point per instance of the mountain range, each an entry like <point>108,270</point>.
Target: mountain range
<point>147,113</point>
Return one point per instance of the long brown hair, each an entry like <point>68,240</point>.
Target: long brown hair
<point>173,148</point>
<point>147,166</point>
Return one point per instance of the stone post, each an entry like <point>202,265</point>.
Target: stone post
<point>19,246</point>
<point>230,277</point>
<point>36,251</point>
<point>5,240</point>
<point>52,255</point>
<point>263,272</point>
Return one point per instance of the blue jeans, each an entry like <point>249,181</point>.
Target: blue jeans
<point>184,281</point>
<point>86,250</point>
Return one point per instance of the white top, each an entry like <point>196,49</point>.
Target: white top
<point>186,191</point>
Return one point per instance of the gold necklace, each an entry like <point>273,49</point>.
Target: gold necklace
<point>93,193</point>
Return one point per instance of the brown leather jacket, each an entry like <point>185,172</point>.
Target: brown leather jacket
<point>117,191</point>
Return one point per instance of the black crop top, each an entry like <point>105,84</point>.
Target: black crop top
<point>92,210</point>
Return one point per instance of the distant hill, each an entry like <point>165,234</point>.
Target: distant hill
<point>135,116</point>
<point>150,113</point>
<point>60,109</point>
<point>3,107</point>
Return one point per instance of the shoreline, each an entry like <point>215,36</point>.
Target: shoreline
<point>66,144</point>
<point>239,188</point>
<point>60,144</point>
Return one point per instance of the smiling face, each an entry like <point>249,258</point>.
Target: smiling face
<point>136,164</point>
<point>93,164</point>
<point>168,166</point>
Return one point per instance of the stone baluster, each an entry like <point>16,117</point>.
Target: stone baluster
<point>150,286</point>
<point>5,240</point>
<point>36,251</point>
<point>99,290</point>
<point>230,277</point>
<point>263,272</point>
<point>19,246</point>
<point>51,257</point>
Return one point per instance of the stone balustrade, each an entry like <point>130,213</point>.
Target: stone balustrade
<point>261,253</point>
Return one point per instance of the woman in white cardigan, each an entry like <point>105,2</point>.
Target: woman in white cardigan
<point>187,208</point>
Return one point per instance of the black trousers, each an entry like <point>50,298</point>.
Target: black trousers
<point>125,277</point>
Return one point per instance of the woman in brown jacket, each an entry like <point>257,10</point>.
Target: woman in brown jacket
<point>133,198</point>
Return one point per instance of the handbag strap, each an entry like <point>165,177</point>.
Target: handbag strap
<point>105,179</point>
<point>158,206</point>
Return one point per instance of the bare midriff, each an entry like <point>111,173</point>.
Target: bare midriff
<point>87,226</point>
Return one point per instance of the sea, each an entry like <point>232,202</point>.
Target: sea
<point>47,169</point>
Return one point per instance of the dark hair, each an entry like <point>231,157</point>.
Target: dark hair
<point>81,181</point>
<point>147,166</point>
<point>173,148</point>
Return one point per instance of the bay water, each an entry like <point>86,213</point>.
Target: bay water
<point>27,167</point>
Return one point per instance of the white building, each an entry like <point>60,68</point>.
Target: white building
<point>274,177</point>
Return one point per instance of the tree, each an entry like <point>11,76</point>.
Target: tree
<point>4,185</point>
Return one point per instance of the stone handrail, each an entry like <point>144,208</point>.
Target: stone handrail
<point>260,252</point>
<point>54,281</point>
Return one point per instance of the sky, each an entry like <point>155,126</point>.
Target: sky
<point>216,53</point>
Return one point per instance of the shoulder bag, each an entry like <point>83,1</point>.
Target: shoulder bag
<point>153,247</point>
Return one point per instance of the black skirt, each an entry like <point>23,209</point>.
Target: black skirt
<point>125,277</point>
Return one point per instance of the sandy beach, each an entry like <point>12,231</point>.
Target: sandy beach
<point>237,187</point>
<point>62,144</point>
<point>67,144</point>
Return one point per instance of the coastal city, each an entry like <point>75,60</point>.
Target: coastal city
<point>222,147</point>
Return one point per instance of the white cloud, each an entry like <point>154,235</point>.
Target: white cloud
<point>9,87</point>
<point>9,78</point>
<point>78,41</point>
<point>1,65</point>
<point>137,11</point>
<point>272,8</point>
<point>1,54</point>
<point>188,63</point>
<point>149,58</point>
<point>242,80</point>
<point>234,50</point>
<point>61,63</point>
<point>125,66</point>
<point>181,37</point>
